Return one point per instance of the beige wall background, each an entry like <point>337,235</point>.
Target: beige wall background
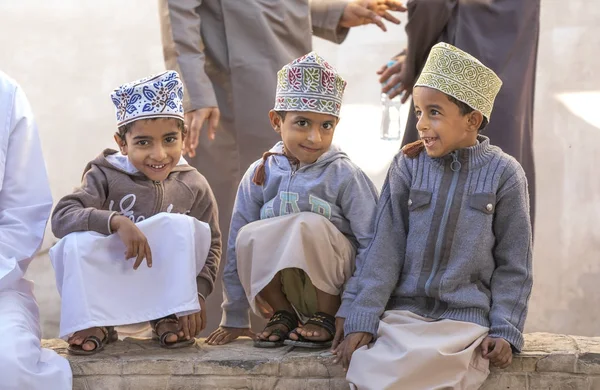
<point>69,54</point>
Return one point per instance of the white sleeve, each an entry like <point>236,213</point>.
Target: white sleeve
<point>25,197</point>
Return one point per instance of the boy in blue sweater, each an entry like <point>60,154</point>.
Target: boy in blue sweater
<point>301,214</point>
<point>444,285</point>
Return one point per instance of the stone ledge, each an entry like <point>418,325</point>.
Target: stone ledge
<point>548,361</point>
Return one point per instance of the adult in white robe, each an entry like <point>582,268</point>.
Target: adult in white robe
<point>25,204</point>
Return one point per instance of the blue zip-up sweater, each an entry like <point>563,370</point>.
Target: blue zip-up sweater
<point>333,186</point>
<point>452,240</point>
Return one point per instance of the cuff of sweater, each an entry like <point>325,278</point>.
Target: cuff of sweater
<point>510,334</point>
<point>344,308</point>
<point>235,319</point>
<point>205,287</point>
<point>98,221</point>
<point>361,322</point>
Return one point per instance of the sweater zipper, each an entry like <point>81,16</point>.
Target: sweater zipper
<point>158,186</point>
<point>292,174</point>
<point>455,166</point>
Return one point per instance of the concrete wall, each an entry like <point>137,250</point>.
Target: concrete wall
<point>69,54</point>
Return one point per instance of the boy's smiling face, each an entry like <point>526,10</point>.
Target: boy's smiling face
<point>154,146</point>
<point>306,135</point>
<point>441,125</point>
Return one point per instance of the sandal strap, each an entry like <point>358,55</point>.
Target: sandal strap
<point>324,320</point>
<point>171,319</point>
<point>284,317</point>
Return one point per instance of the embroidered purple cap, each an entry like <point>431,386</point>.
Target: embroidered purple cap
<point>158,96</point>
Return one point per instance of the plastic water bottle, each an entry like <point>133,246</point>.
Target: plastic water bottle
<point>390,114</point>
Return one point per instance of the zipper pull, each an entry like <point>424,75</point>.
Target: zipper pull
<point>455,165</point>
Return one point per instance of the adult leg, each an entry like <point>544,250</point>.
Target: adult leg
<point>23,362</point>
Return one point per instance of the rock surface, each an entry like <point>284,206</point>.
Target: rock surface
<point>548,361</point>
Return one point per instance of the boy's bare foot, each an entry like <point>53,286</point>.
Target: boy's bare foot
<point>79,337</point>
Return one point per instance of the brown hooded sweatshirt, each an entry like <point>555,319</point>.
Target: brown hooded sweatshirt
<point>111,184</point>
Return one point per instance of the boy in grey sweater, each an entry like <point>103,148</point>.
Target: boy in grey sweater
<point>446,280</point>
<point>300,215</point>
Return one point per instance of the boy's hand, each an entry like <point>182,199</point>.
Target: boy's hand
<point>350,344</point>
<point>133,238</point>
<point>194,121</point>
<point>497,350</point>
<point>193,324</point>
<point>360,12</point>
<point>339,334</point>
<point>225,335</point>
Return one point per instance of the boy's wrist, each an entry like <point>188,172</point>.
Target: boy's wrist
<point>116,221</point>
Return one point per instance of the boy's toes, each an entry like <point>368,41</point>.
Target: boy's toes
<point>294,335</point>
<point>274,337</point>
<point>89,346</point>
<point>264,335</point>
<point>171,338</point>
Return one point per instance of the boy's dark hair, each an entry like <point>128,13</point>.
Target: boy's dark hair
<point>123,130</point>
<point>281,114</point>
<point>466,109</point>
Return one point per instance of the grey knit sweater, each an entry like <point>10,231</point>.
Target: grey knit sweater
<point>452,240</point>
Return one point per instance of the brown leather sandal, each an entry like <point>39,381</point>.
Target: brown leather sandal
<point>162,338</point>
<point>283,317</point>
<point>110,336</point>
<point>322,320</point>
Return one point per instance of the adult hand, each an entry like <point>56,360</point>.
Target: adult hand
<point>393,79</point>
<point>194,121</point>
<point>224,335</point>
<point>133,238</point>
<point>350,344</point>
<point>193,324</point>
<point>497,350</point>
<point>361,12</point>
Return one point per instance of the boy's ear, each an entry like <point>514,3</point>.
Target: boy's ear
<point>474,121</point>
<point>185,132</point>
<point>122,144</point>
<point>276,121</point>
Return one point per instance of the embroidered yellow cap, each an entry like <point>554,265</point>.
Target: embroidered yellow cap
<point>462,76</point>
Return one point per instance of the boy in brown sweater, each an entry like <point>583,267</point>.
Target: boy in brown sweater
<point>142,203</point>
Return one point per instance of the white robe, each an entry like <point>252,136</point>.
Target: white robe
<point>25,204</point>
<point>99,287</point>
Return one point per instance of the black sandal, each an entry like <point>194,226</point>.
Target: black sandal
<point>110,336</point>
<point>283,317</point>
<point>162,339</point>
<point>323,320</point>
